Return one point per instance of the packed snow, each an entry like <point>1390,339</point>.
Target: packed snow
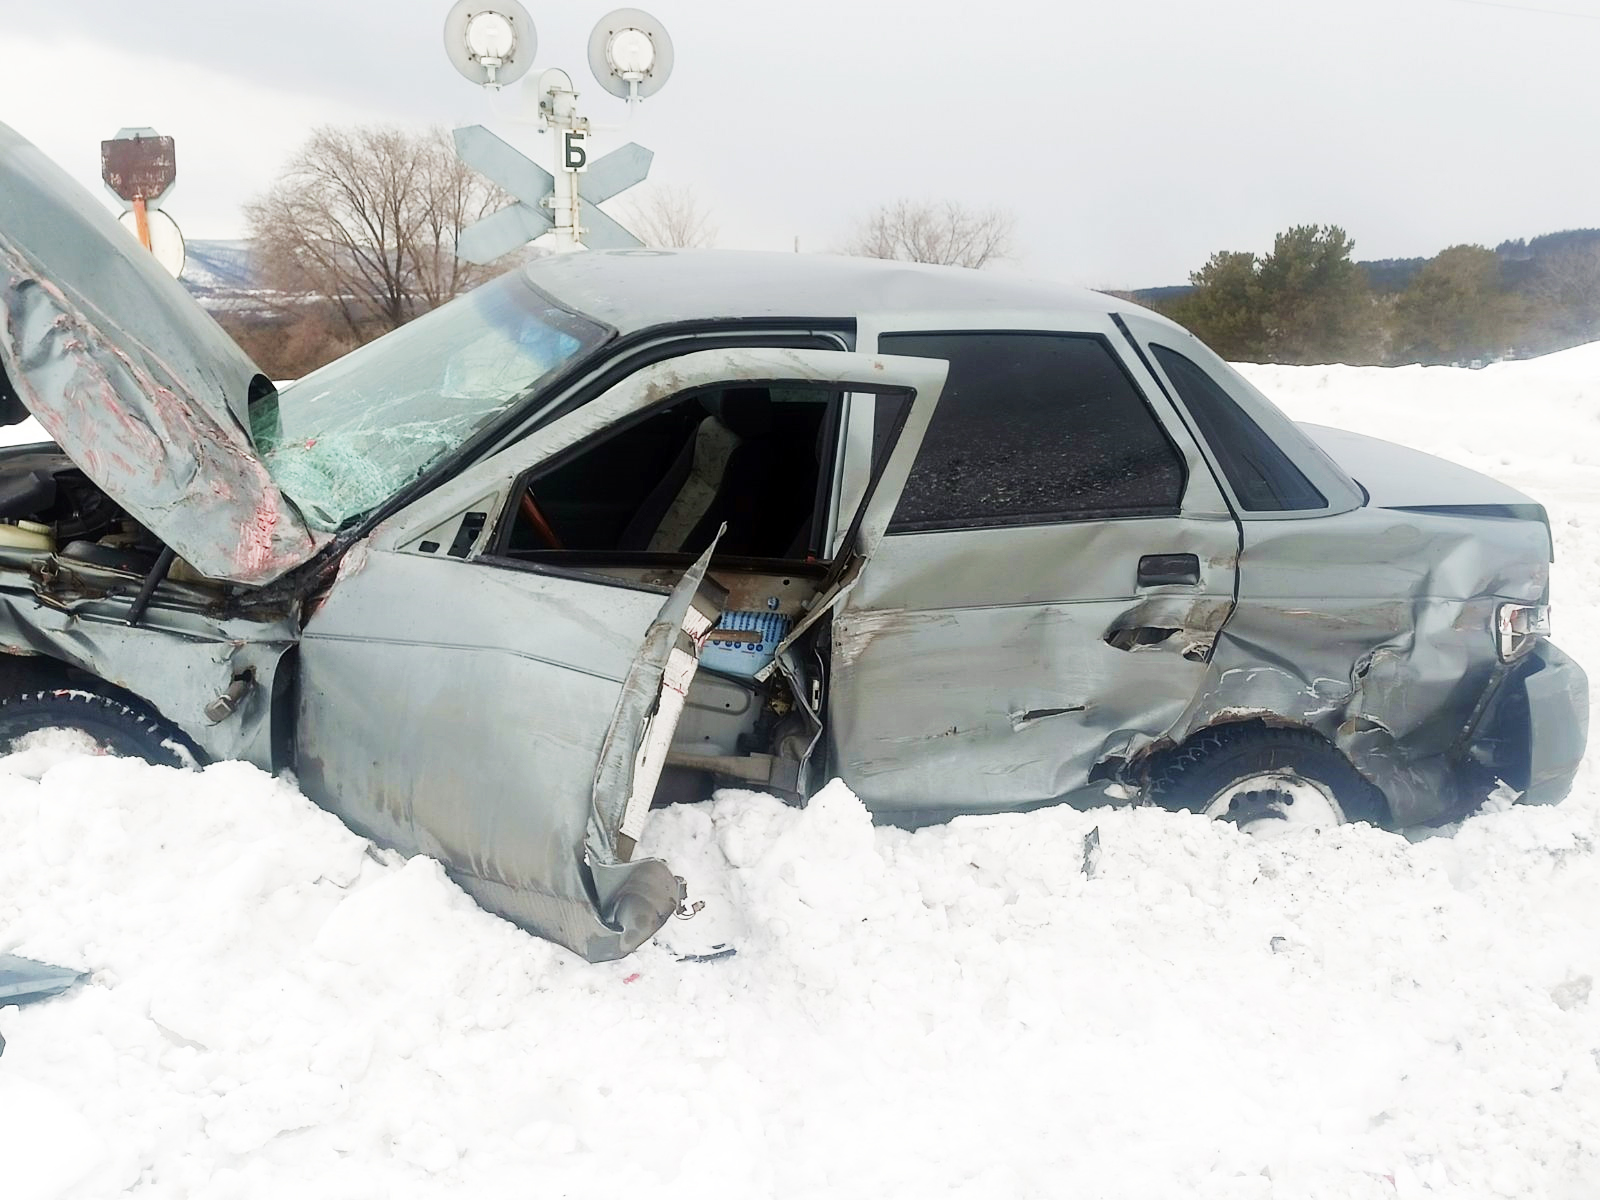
<point>277,1009</point>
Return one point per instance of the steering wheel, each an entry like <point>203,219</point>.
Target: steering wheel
<point>535,517</point>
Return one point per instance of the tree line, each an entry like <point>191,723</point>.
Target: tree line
<point>358,236</point>
<point>1308,301</point>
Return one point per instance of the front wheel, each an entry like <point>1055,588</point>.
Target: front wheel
<point>1265,780</point>
<point>103,725</point>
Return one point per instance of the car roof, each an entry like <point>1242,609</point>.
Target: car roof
<point>633,290</point>
<point>638,290</point>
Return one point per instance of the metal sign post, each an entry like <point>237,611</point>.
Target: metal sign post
<point>558,106</point>
<point>141,224</point>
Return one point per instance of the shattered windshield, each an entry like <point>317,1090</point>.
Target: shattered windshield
<point>347,437</point>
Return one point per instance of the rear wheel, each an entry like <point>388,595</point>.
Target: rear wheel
<point>105,725</point>
<point>1265,780</point>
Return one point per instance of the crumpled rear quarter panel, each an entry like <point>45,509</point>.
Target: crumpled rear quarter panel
<point>1373,627</point>
<point>1376,628</point>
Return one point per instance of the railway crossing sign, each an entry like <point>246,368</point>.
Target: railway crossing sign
<point>535,189</point>
<point>492,42</point>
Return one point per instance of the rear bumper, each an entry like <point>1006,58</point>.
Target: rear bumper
<point>1534,728</point>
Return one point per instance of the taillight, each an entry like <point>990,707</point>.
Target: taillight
<point>1519,626</point>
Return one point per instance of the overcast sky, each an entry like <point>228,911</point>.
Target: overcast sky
<point>1131,138</point>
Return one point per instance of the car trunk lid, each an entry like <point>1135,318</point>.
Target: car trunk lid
<point>1397,476</point>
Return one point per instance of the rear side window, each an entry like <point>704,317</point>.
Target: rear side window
<point>1261,475</point>
<point>1033,428</point>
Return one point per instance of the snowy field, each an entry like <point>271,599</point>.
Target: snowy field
<point>277,1012</point>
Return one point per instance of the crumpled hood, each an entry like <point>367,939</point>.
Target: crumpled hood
<point>134,381</point>
<point>1397,476</point>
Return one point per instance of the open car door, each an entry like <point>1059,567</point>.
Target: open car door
<point>510,718</point>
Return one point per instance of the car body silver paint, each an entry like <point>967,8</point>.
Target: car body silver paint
<point>1374,628</point>
<point>503,738</point>
<point>490,722</point>
<point>1371,625</point>
<point>637,290</point>
<point>1555,691</point>
<point>952,638</point>
<point>488,713</point>
<point>1396,476</point>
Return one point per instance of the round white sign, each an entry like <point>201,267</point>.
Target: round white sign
<point>166,240</point>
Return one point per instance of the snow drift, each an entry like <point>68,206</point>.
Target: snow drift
<point>278,1009</point>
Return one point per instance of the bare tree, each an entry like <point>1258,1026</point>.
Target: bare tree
<point>946,232</point>
<point>670,218</point>
<point>366,220</point>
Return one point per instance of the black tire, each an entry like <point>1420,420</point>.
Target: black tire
<point>1213,759</point>
<point>117,726</point>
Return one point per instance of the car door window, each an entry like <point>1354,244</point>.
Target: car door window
<point>754,458</point>
<point>1034,428</point>
<point>1261,475</point>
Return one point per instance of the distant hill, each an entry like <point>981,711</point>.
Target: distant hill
<point>1156,296</point>
<point>223,278</point>
<point>1390,275</point>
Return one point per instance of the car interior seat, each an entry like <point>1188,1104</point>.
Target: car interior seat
<point>652,513</point>
<point>768,489</point>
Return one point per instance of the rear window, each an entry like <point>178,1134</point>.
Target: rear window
<point>1033,428</point>
<point>1261,475</point>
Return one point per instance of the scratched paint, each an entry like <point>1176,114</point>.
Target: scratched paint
<point>143,389</point>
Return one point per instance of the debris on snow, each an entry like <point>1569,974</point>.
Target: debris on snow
<point>23,981</point>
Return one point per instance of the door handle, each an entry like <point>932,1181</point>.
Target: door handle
<point>1158,569</point>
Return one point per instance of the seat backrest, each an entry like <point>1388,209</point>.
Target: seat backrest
<point>769,488</point>
<point>642,527</point>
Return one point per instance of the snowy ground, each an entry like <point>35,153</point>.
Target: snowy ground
<point>277,1012</point>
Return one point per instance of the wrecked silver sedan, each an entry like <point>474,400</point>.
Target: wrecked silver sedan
<point>618,526</point>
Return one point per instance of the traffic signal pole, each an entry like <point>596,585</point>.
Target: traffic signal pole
<point>558,108</point>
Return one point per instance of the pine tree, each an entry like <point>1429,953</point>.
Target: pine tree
<point>1306,302</point>
<point>1457,308</point>
<point>1316,304</point>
